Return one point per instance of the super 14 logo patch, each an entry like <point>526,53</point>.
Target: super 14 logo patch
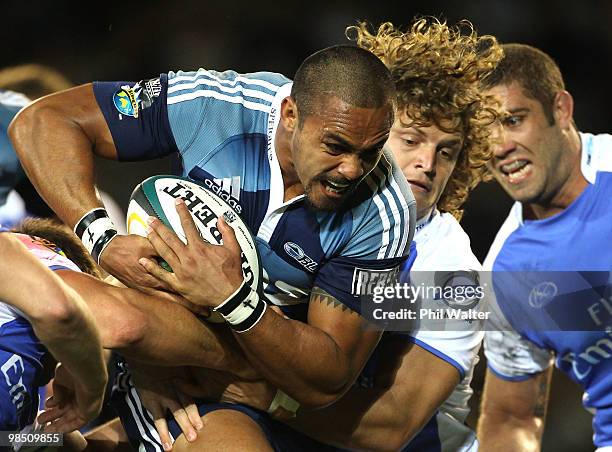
<point>129,100</point>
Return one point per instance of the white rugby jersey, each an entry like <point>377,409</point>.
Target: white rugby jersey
<point>442,247</point>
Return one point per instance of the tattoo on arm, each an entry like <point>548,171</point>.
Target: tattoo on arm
<point>318,295</point>
<point>541,402</point>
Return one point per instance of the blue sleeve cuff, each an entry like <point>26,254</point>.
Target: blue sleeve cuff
<point>440,355</point>
<point>508,378</point>
<point>137,116</point>
<point>60,267</point>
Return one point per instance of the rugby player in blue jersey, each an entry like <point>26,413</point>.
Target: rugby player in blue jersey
<point>304,156</point>
<point>37,322</point>
<point>42,322</point>
<point>561,222</point>
<point>442,144</point>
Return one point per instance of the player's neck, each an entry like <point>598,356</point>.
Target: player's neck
<point>570,189</point>
<point>562,199</point>
<point>291,182</point>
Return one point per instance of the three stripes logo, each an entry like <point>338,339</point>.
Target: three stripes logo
<point>228,189</point>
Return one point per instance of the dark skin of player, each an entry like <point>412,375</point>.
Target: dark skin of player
<point>342,145</point>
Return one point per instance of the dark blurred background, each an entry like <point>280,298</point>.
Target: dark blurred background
<point>132,41</point>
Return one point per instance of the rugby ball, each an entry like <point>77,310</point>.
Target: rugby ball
<point>156,197</point>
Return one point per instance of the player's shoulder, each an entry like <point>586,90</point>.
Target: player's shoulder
<point>512,222</point>
<point>384,194</point>
<point>383,210</point>
<point>596,154</point>
<point>443,232</point>
<point>229,83</point>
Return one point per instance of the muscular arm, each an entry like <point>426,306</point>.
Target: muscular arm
<point>56,138</point>
<point>315,363</point>
<point>154,330</point>
<point>513,413</point>
<point>385,418</point>
<point>60,318</point>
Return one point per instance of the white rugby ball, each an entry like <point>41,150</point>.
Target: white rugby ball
<point>156,197</point>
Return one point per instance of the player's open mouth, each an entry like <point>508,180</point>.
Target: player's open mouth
<point>516,171</point>
<point>335,188</point>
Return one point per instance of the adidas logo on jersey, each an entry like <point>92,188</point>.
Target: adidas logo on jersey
<point>227,189</point>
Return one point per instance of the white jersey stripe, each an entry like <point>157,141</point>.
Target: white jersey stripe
<point>235,187</point>
<point>231,90</point>
<point>204,73</point>
<point>383,217</point>
<point>138,419</point>
<point>226,184</point>
<point>216,95</point>
<point>405,232</point>
<point>397,232</point>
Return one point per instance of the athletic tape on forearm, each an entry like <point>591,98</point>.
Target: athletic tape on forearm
<point>282,400</point>
<point>242,309</point>
<point>96,230</point>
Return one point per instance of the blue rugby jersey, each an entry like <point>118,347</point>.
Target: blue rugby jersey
<point>10,169</point>
<point>22,355</point>
<point>222,124</point>
<point>560,304</point>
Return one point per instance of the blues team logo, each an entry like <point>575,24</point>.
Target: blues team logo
<point>129,100</point>
<point>126,101</point>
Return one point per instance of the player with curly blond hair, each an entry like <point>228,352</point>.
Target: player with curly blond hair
<point>435,68</point>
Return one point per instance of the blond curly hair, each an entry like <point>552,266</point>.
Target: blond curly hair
<point>436,70</point>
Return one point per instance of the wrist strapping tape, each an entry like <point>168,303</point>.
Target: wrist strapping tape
<point>96,230</point>
<point>242,309</point>
<point>282,400</point>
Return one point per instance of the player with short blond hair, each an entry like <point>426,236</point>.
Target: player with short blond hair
<point>551,258</point>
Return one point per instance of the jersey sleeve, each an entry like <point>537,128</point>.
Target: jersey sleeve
<point>509,355</point>
<point>452,294</point>
<point>207,109</point>
<point>383,227</point>
<point>441,328</point>
<point>137,116</point>
<point>192,113</point>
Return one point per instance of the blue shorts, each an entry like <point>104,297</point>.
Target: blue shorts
<point>140,428</point>
<point>21,374</point>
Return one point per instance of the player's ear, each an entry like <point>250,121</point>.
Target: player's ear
<point>563,109</point>
<point>289,114</point>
